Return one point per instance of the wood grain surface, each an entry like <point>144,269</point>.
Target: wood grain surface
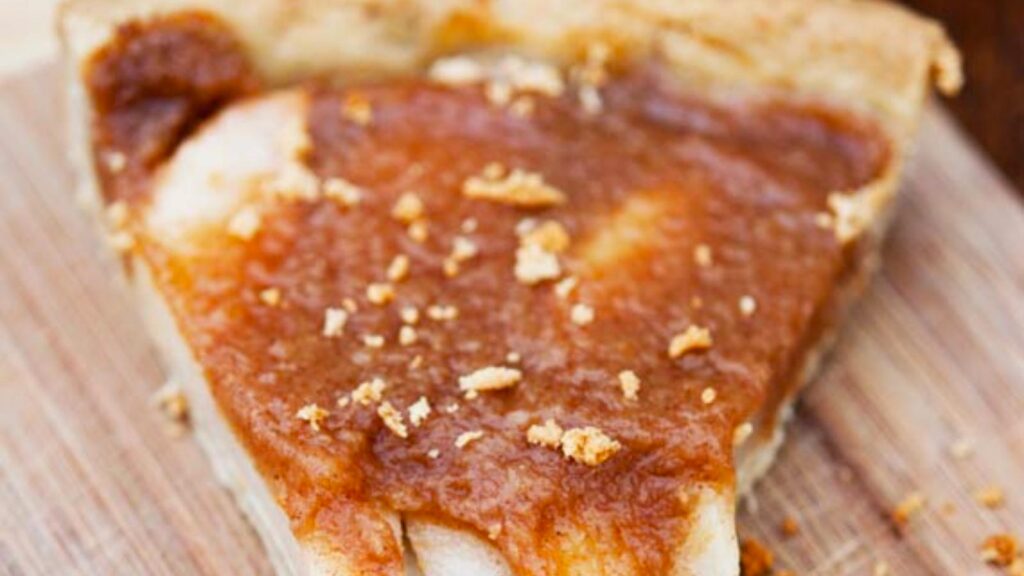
<point>91,483</point>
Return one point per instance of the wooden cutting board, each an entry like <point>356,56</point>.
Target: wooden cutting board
<point>90,481</point>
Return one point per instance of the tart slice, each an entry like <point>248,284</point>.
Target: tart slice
<point>524,287</point>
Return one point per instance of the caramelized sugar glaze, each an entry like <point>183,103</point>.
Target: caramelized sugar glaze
<point>653,184</point>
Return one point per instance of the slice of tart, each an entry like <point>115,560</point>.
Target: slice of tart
<point>501,287</point>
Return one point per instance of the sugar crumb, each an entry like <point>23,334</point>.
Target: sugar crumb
<point>312,414</point>
<point>588,445</point>
<point>334,322</point>
<point>694,338</point>
<point>392,418</point>
<point>629,382</point>
<point>467,437</point>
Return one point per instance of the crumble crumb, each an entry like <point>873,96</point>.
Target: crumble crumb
<point>369,392</point>
<point>357,109</point>
<point>451,408</point>
<point>416,362</point>
<point>550,236</point>
<point>852,214</point>
<point>245,223</point>
<point>910,505</point>
<point>999,549</point>
<point>702,255</point>
<point>630,384</point>
<point>441,312</point>
<point>408,209</point>
<point>747,305</point>
<point>513,357</point>
<point>467,437</point>
<point>380,293</point>
<point>392,418</point>
<point>588,445</point>
<point>171,401</point>
<point>463,249</point>
<point>742,433</point>
<point>373,341</point>
<point>565,287</point>
<point>398,269</point>
<point>407,336</point>
<point>489,378</point>
<point>961,449</point>
<point>469,225</point>
<point>708,395</point>
<point>582,314</point>
<point>694,338</point>
<point>409,314</point>
<point>349,305</point>
<point>343,402</point>
<point>433,453</point>
<point>115,161</point>
<point>548,434</point>
<point>312,414</point>
<point>755,558</point>
<point>517,188</point>
<point>334,322</point>
<point>419,411</point>
<point>418,231</point>
<point>990,497</point>
<point>534,265</point>
<point>270,296</point>
<point>344,193</point>
<point>789,527</point>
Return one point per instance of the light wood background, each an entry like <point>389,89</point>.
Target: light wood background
<point>90,483</point>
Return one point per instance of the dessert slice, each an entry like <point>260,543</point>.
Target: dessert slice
<point>530,287</point>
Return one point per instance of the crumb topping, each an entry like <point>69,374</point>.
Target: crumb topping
<point>419,411</point>
<point>433,453</point>
<point>380,293</point>
<point>630,384</point>
<point>582,314</point>
<point>398,269</point>
<point>535,265</point>
<point>442,312</point>
<point>407,335</point>
<point>270,296</point>
<point>550,236</point>
<point>392,419</point>
<point>548,434</point>
<point>408,209</point>
<point>489,378</point>
<point>742,433</point>
<point>342,192</point>
<point>694,338</point>
<point>466,438</point>
<point>702,255</point>
<point>516,188</point>
<point>565,287</point>
<point>373,340</point>
<point>294,182</point>
<point>409,315</point>
<point>588,445</point>
<point>418,231</point>
<point>748,305</point>
<point>708,395</point>
<point>369,392</point>
<point>312,414</point>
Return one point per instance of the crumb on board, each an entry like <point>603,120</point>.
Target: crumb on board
<point>910,505</point>
<point>991,497</point>
<point>789,527</point>
<point>755,558</point>
<point>171,401</point>
<point>999,549</point>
